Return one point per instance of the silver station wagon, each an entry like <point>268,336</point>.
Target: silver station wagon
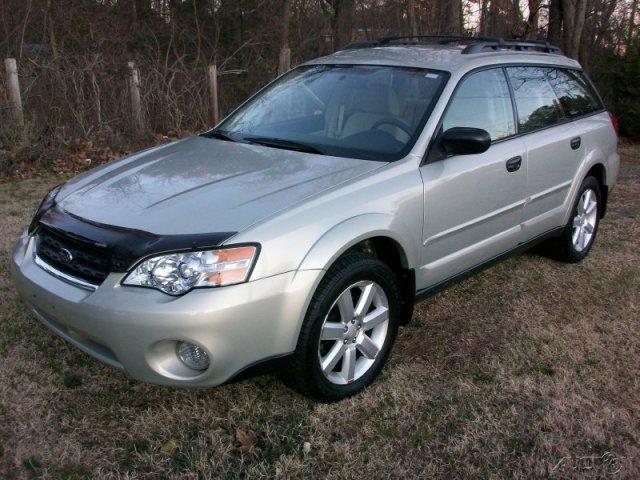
<point>300,231</point>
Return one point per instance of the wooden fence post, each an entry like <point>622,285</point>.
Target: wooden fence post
<point>284,64</point>
<point>213,94</point>
<point>13,83</point>
<point>134,88</point>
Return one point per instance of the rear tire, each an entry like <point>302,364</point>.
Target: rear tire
<point>348,331</point>
<point>578,236</point>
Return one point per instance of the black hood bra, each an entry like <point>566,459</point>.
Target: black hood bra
<point>124,246</point>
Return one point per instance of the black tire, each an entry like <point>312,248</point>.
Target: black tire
<point>563,248</point>
<point>304,373</point>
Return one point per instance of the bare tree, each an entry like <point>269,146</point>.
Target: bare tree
<point>451,20</point>
<point>554,34</point>
<point>411,10</point>
<point>342,14</point>
<point>533,20</point>
<point>573,17</point>
<point>598,31</point>
<point>286,22</point>
<point>77,75</point>
<point>284,62</point>
<point>494,18</point>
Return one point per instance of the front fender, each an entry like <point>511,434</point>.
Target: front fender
<point>353,230</point>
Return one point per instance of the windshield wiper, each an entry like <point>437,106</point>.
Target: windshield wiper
<point>219,134</point>
<point>284,144</point>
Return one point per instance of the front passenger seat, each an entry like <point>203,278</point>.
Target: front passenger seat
<point>369,105</point>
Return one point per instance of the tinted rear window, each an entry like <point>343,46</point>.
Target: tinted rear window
<point>537,103</point>
<point>574,93</point>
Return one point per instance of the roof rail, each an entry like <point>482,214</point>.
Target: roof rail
<point>518,45</point>
<point>476,44</point>
<point>363,44</point>
<point>438,39</point>
<point>424,39</point>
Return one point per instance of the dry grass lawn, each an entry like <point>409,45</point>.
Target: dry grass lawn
<point>529,369</point>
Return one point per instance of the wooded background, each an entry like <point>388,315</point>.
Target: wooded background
<point>72,55</point>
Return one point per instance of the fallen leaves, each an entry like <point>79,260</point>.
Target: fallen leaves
<point>245,442</point>
<point>170,446</point>
<point>69,157</point>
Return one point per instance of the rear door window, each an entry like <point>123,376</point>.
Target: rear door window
<point>575,95</point>
<point>482,101</point>
<point>536,101</point>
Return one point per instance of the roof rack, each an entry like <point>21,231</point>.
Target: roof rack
<point>437,39</point>
<point>518,45</point>
<point>476,44</point>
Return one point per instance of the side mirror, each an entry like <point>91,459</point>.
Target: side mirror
<point>465,141</point>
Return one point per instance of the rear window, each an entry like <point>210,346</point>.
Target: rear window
<point>537,103</point>
<point>574,93</point>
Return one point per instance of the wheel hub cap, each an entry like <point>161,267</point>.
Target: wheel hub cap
<point>353,332</point>
<point>584,222</point>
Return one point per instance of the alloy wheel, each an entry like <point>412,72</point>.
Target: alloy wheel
<point>584,223</point>
<point>353,332</point>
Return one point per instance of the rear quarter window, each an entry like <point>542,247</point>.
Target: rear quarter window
<point>574,93</point>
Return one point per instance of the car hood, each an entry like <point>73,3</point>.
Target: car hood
<point>203,185</point>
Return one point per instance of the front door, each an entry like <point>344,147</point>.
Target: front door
<point>473,204</point>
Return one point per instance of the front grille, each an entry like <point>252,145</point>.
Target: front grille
<point>88,262</point>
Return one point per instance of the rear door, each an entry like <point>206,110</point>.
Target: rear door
<point>474,203</point>
<point>555,145</point>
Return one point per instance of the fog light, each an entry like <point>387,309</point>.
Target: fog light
<point>193,356</point>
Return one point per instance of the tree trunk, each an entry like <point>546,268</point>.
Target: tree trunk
<point>573,17</point>
<point>554,35</point>
<point>411,7</point>
<point>497,18</point>
<point>451,17</point>
<point>484,17</point>
<point>342,22</point>
<point>578,27</point>
<point>286,23</point>
<point>533,21</point>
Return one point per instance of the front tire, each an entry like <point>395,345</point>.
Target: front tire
<point>349,329</point>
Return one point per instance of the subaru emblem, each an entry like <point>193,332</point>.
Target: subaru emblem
<point>66,255</point>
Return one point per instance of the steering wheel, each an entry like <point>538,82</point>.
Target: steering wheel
<point>396,123</point>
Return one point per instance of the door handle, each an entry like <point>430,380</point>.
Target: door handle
<point>575,143</point>
<point>513,164</point>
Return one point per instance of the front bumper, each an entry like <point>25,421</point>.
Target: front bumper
<point>136,329</point>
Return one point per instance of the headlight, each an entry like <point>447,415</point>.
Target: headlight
<point>177,273</point>
<point>48,201</point>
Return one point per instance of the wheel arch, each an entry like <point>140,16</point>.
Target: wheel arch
<point>379,235</point>
<point>599,172</point>
<point>592,166</point>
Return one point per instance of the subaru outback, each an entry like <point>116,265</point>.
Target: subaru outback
<point>302,229</point>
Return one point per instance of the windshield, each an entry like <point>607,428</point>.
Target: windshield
<point>358,111</point>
